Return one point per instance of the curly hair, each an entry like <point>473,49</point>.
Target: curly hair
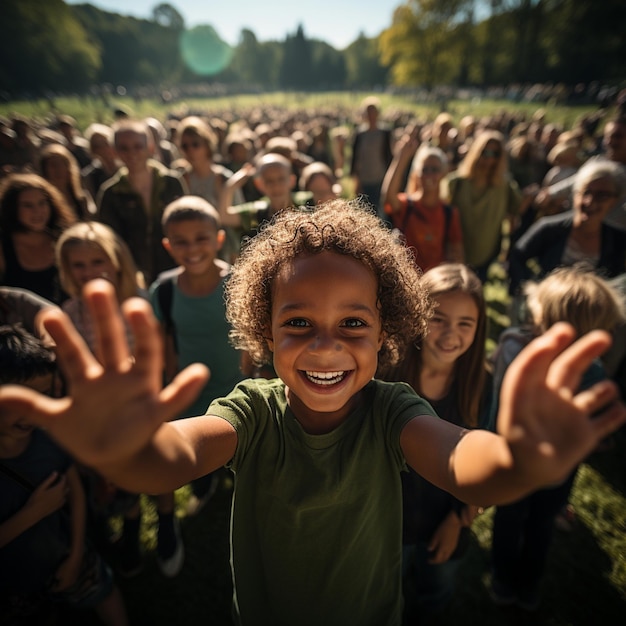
<point>344,227</point>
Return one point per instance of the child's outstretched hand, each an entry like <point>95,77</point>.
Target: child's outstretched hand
<point>550,427</point>
<point>115,402</point>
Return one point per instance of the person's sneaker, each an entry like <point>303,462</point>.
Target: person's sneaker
<point>195,504</point>
<point>502,594</point>
<point>171,564</point>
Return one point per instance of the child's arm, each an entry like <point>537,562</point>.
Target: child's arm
<point>545,427</point>
<point>47,498</point>
<point>390,189</point>
<point>113,419</point>
<point>68,571</point>
<point>225,200</point>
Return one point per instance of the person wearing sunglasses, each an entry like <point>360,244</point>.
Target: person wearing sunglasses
<point>578,236</point>
<point>486,196</point>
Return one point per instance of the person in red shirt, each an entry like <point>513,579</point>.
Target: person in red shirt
<point>430,227</point>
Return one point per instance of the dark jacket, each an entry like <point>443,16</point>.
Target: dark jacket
<point>545,242</point>
<point>122,208</point>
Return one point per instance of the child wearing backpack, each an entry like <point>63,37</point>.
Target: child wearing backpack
<point>189,303</point>
<point>429,226</point>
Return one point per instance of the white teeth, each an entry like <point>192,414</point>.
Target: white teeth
<point>325,378</point>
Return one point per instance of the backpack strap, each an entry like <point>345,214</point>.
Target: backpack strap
<point>165,298</point>
<point>447,212</point>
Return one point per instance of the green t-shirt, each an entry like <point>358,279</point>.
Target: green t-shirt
<point>316,519</point>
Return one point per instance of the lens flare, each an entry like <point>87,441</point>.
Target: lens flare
<point>204,52</point>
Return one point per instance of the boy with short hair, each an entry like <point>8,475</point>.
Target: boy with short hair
<point>274,178</point>
<point>189,303</point>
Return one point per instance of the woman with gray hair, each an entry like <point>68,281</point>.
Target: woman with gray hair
<point>579,236</point>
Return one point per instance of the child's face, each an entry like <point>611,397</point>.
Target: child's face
<point>452,328</point>
<point>57,171</point>
<point>325,335</point>
<point>321,188</point>
<point>194,244</point>
<point>86,262</point>
<point>14,427</point>
<point>133,149</point>
<point>275,181</point>
<point>33,209</point>
<point>431,173</point>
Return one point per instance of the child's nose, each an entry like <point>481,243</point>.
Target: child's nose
<point>323,342</point>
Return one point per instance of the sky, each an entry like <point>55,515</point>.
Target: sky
<point>337,22</point>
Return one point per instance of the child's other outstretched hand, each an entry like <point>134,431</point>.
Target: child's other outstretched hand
<point>115,402</point>
<point>550,426</point>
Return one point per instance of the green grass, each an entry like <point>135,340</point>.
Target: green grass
<point>89,109</point>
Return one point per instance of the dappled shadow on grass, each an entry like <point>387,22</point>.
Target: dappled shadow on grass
<point>576,589</point>
<point>610,462</point>
<point>201,595</point>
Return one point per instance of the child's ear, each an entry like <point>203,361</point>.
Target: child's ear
<point>292,181</point>
<point>166,244</point>
<point>381,339</point>
<point>269,339</point>
<point>258,183</point>
<point>221,238</point>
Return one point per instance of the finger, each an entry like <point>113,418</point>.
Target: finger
<point>609,420</point>
<point>73,355</point>
<point>530,367</point>
<point>183,390</point>
<point>148,349</point>
<point>602,403</point>
<point>568,368</point>
<point>32,405</point>
<point>111,345</point>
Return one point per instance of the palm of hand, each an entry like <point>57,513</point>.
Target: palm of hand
<point>116,402</point>
<point>545,420</point>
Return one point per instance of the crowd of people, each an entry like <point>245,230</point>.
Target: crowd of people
<point>296,258</point>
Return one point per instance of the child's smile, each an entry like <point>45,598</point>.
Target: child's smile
<point>326,334</point>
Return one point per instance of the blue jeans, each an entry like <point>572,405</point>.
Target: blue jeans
<point>426,586</point>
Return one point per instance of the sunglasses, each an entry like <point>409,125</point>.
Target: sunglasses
<point>491,154</point>
<point>190,144</point>
<point>431,170</point>
<point>598,196</point>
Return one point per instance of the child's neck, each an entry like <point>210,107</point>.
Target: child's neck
<point>427,198</point>
<point>11,448</point>
<point>205,283</point>
<point>435,380</point>
<point>278,204</point>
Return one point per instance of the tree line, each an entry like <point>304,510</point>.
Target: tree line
<point>54,47</point>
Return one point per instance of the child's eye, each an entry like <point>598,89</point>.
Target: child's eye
<point>354,323</point>
<point>297,323</point>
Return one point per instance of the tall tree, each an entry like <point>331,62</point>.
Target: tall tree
<point>43,47</point>
<point>297,63</point>
<point>168,16</point>
<point>417,45</point>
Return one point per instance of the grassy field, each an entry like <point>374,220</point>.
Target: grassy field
<point>586,576</point>
<point>89,109</point>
